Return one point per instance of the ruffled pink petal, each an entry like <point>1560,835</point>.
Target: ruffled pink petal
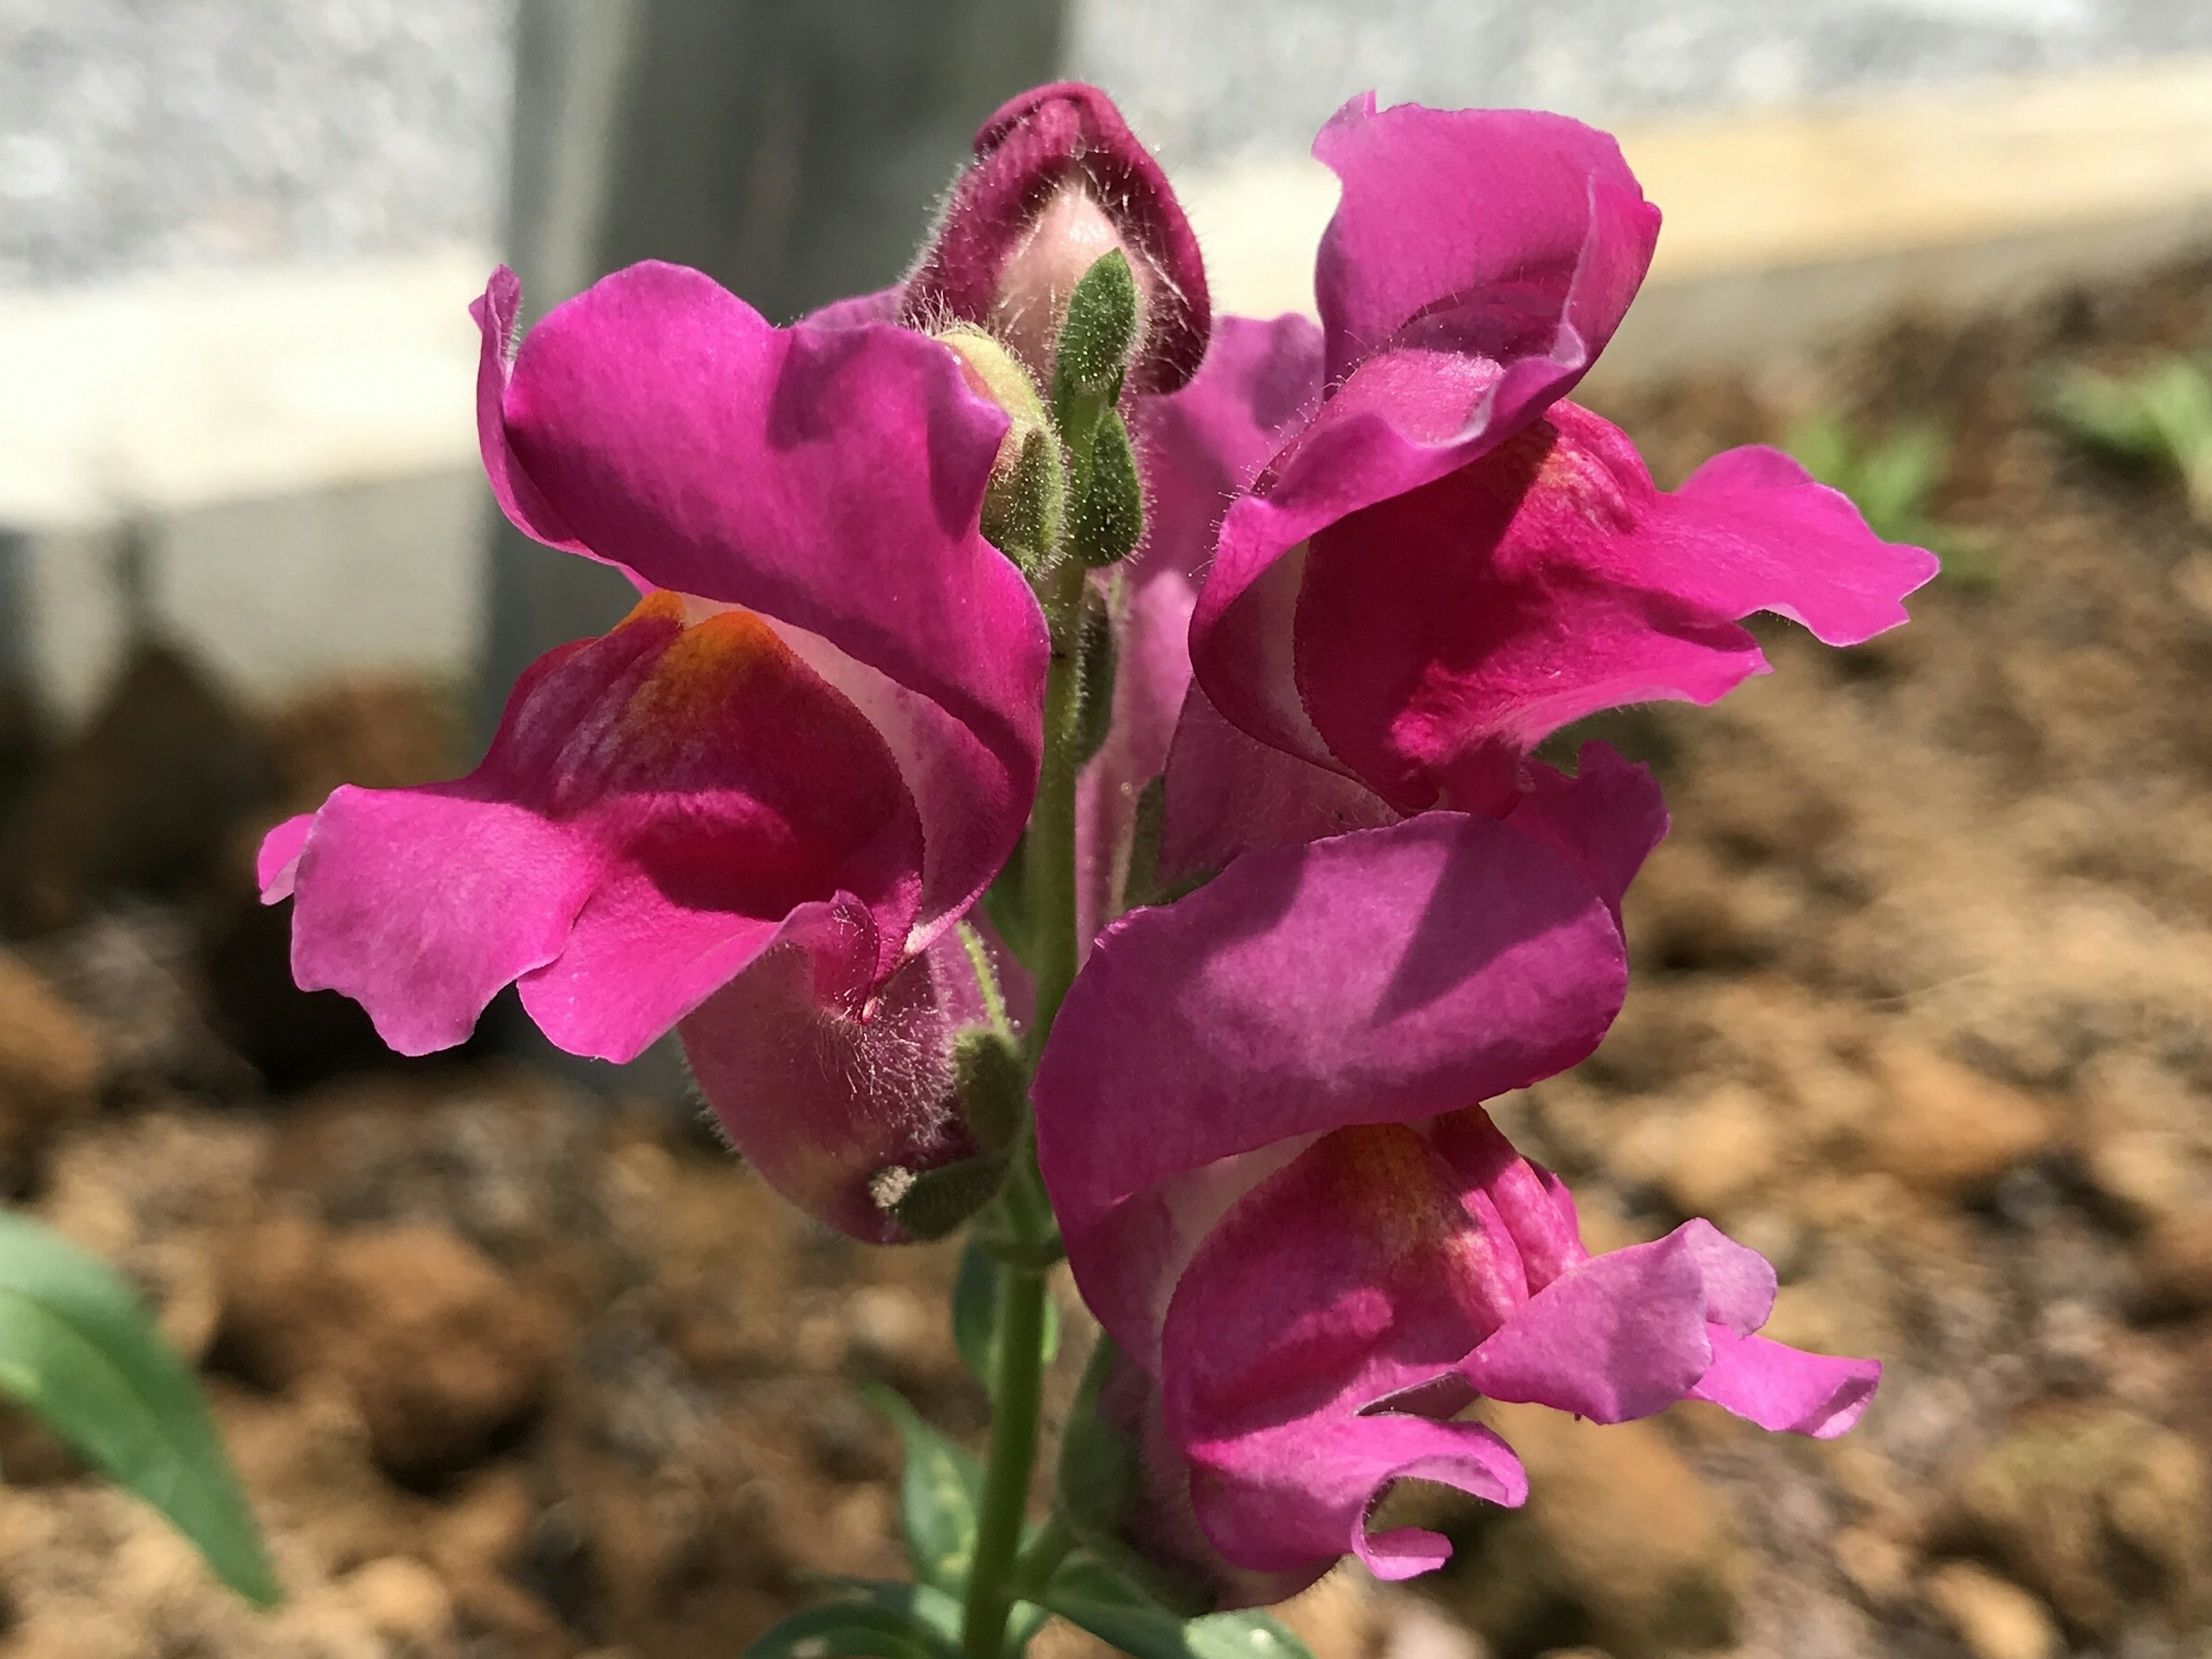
<point>1441,635</point>
<point>658,806</point>
<point>830,478</point>
<point>1500,234</point>
<point>1296,1497</point>
<point>1199,446</point>
<point>834,1105</point>
<point>856,311</point>
<point>1621,1335</point>
<point>1784,1389</point>
<point>1478,262</point>
<point>1385,976</point>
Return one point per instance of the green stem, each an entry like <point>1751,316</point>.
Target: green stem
<point>1049,873</point>
<point>1049,861</point>
<point>1013,1449</point>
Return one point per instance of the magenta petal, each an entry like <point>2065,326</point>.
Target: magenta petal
<point>657,806</point>
<point>498,317</point>
<point>825,1103</point>
<point>1604,821</point>
<point>1783,1388</point>
<point>1385,976</point>
<point>1498,232</point>
<point>1229,795</point>
<point>1622,1335</point>
<point>830,478</point>
<point>1777,540</point>
<point>1441,635</point>
<point>1297,1497</point>
<point>279,861</point>
<point>856,311</point>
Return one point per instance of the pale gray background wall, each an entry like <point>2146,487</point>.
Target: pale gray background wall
<point>146,134</point>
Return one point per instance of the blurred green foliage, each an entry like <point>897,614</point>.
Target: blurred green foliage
<point>2161,415</point>
<point>1892,481</point>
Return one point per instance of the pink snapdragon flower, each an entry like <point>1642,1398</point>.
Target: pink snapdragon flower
<point>1443,562</point>
<point>752,812</point>
<point>1259,1116</point>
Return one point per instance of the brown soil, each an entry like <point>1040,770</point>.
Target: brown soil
<point>1925,1012</point>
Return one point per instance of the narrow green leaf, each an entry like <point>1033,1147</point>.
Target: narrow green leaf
<point>975,1313</point>
<point>941,1612</point>
<point>1106,504</point>
<point>1147,1633</point>
<point>79,1352</point>
<point>938,1495</point>
<point>853,1629</point>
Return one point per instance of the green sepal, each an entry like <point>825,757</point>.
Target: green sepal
<point>1094,679</point>
<point>1106,510</point>
<point>975,1313</point>
<point>1097,339</point>
<point>1022,511</point>
<point>1101,1479</point>
<point>79,1352</point>
<point>938,1202</point>
<point>939,1494</point>
<point>992,1086</point>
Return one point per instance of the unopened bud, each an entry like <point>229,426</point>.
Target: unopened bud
<point>991,1084</point>
<point>1096,341</point>
<point>1060,180</point>
<point>1106,505</point>
<point>938,1202</point>
<point>1024,505</point>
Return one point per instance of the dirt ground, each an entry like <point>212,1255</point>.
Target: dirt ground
<point>1924,1011</point>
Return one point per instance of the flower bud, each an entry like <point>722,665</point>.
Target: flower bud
<point>1059,181</point>
<point>1023,508</point>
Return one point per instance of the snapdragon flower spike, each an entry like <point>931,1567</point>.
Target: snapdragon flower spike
<point>1446,562</point>
<point>1058,180</point>
<point>753,810</point>
<point>1259,1118</point>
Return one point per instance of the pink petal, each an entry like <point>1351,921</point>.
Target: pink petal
<point>824,1100</point>
<point>1229,795</point>
<point>1478,262</point>
<point>1500,232</point>
<point>279,861</point>
<point>1782,1389</point>
<point>1621,1335</point>
<point>1384,976</point>
<point>1604,821</point>
<point>1295,1498</point>
<point>829,478</point>
<point>657,806</point>
<point>1441,635</point>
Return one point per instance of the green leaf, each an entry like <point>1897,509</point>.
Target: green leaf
<point>941,1612</point>
<point>78,1350</point>
<point>874,1628</point>
<point>975,1313</point>
<point>938,1495</point>
<point>1148,1632</point>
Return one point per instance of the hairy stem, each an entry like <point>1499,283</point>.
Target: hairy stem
<point>1049,874</point>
